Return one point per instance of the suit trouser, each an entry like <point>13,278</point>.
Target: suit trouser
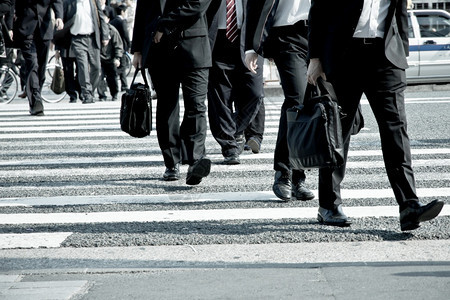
<point>35,53</point>
<point>109,72</point>
<point>367,71</point>
<point>256,128</point>
<point>230,82</point>
<point>287,45</point>
<point>183,143</point>
<point>88,63</point>
<point>70,77</point>
<point>122,72</point>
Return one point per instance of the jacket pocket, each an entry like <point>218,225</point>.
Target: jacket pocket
<point>193,32</point>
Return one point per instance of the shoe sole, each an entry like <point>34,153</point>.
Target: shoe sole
<point>253,146</point>
<point>293,198</point>
<point>340,224</point>
<point>232,162</point>
<point>171,178</point>
<point>430,214</point>
<point>201,170</point>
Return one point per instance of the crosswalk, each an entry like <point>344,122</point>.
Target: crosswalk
<point>73,179</point>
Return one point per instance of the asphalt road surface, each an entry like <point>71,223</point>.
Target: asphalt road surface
<point>85,214</point>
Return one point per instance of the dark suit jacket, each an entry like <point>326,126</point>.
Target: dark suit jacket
<point>122,27</point>
<point>184,27</point>
<point>101,30</point>
<point>109,12</point>
<point>212,15</point>
<point>259,21</point>
<point>331,28</point>
<point>32,14</point>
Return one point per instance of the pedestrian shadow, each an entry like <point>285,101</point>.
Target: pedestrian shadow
<point>444,274</point>
<point>228,232</point>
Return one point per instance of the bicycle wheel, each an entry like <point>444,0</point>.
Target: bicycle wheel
<point>9,85</point>
<point>51,61</point>
<point>47,94</point>
<point>128,63</point>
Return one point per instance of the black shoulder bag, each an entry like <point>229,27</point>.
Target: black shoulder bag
<point>314,134</point>
<point>136,108</point>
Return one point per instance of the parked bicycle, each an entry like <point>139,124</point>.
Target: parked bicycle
<point>10,81</point>
<point>128,57</point>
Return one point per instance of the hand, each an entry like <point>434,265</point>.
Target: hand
<point>11,35</point>
<point>157,37</point>
<point>57,55</point>
<point>251,59</point>
<point>59,24</point>
<point>116,62</point>
<point>105,43</point>
<point>315,71</point>
<point>137,60</point>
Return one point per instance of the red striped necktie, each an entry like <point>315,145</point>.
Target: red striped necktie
<point>232,28</point>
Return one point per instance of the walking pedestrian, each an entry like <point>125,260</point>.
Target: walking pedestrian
<point>120,23</point>
<point>89,32</point>
<point>277,29</point>
<point>170,38</point>
<point>33,31</point>
<point>360,46</point>
<point>235,94</point>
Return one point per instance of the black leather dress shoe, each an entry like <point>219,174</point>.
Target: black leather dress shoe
<point>333,217</point>
<point>37,109</point>
<point>254,144</point>
<point>36,113</point>
<point>232,160</point>
<point>198,170</point>
<point>172,174</point>
<point>282,186</point>
<point>240,142</point>
<point>301,192</point>
<point>416,212</point>
<point>88,100</point>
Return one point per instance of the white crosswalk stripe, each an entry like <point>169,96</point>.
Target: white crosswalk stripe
<point>76,157</point>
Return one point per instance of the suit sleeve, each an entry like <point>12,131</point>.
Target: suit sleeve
<point>260,16</point>
<point>9,17</point>
<point>316,28</point>
<point>126,37</point>
<point>139,26</point>
<point>104,29</point>
<point>401,15</point>
<point>58,9</point>
<point>117,43</point>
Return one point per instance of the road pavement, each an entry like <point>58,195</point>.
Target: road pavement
<point>84,214</point>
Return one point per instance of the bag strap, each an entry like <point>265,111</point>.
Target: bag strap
<point>143,76</point>
<point>325,87</point>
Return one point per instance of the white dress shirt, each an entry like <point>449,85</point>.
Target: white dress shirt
<point>290,12</point>
<point>373,19</point>
<point>222,17</point>
<point>83,24</point>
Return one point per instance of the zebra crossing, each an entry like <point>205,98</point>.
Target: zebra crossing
<point>73,179</point>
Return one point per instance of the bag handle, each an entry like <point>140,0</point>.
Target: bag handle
<point>143,76</point>
<point>325,87</point>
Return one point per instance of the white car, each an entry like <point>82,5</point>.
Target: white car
<point>429,46</point>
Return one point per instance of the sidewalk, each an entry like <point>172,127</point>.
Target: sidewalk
<point>339,270</point>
